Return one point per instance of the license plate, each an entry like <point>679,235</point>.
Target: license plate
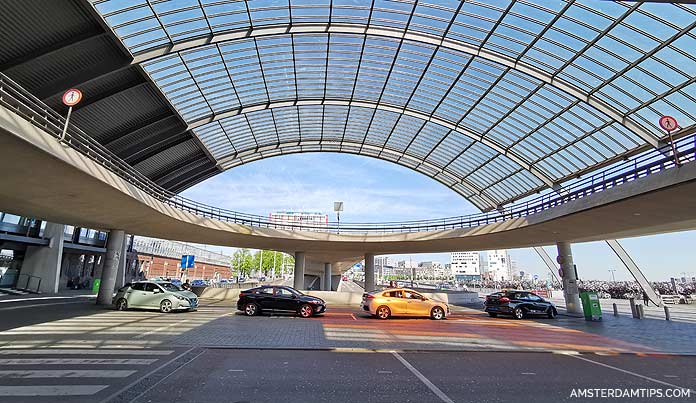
<point>493,308</point>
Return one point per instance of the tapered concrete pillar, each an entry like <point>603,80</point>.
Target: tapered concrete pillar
<point>569,278</point>
<point>41,267</point>
<point>369,272</point>
<point>121,273</point>
<point>114,254</point>
<point>299,270</point>
<point>327,277</point>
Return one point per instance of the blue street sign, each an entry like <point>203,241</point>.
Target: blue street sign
<point>536,277</point>
<point>187,261</point>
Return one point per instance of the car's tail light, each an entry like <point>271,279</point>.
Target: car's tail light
<point>369,296</point>
<point>241,294</point>
<point>504,299</point>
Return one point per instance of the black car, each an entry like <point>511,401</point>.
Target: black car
<point>518,304</point>
<point>279,299</point>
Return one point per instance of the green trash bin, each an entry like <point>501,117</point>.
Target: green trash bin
<point>95,286</point>
<point>590,306</point>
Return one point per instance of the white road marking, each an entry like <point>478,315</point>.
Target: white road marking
<point>12,308</point>
<point>159,329</point>
<point>67,373</point>
<point>235,370</point>
<point>528,373</point>
<point>46,298</point>
<point>96,351</point>
<point>671,376</point>
<point>76,361</point>
<point>51,390</point>
<point>423,379</point>
<point>628,372</point>
<point>384,372</point>
<point>152,372</point>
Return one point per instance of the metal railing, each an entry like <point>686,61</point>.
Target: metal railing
<point>14,97</point>
<point>30,280</point>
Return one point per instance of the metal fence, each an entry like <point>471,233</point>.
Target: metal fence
<point>24,104</point>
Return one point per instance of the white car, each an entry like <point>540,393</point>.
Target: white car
<point>164,296</point>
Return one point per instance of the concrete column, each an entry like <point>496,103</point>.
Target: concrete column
<point>121,272</point>
<point>569,279</point>
<point>43,262</point>
<point>299,270</point>
<point>369,272</point>
<point>327,277</point>
<point>114,250</point>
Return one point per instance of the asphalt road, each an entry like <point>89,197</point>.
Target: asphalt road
<point>226,375</point>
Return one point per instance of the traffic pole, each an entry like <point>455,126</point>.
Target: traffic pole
<point>65,128</point>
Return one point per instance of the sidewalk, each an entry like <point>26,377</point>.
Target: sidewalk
<point>67,294</point>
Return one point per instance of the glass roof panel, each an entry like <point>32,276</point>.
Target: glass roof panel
<point>552,88</point>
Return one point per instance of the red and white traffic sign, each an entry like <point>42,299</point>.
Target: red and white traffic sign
<point>668,123</point>
<point>72,97</point>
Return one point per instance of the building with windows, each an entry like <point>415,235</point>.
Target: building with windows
<point>162,258</point>
<point>289,220</point>
<point>465,266</point>
<point>384,261</point>
<point>499,267</point>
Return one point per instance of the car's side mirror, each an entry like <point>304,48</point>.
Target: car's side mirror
<point>157,291</point>
<point>294,296</point>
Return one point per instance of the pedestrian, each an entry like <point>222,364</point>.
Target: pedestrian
<point>646,300</point>
<point>186,286</point>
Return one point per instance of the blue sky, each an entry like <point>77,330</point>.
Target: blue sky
<point>374,190</point>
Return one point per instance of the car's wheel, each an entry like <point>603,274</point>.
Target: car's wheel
<point>122,304</point>
<point>492,314</point>
<point>518,313</point>
<point>551,313</point>
<point>437,313</point>
<point>306,311</point>
<point>251,309</point>
<point>165,306</point>
<point>383,312</point>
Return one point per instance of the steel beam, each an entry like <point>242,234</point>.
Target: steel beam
<point>246,156</point>
<point>635,271</point>
<point>547,260</point>
<point>519,160</point>
<point>412,35</point>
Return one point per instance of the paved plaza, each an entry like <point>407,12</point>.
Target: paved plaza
<point>77,351</point>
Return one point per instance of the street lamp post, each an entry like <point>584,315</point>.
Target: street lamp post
<point>612,274</point>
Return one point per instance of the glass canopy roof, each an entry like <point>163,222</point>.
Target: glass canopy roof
<point>496,99</point>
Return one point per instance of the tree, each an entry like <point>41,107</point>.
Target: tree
<point>267,260</point>
<point>242,262</point>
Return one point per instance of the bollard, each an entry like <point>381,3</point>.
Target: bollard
<point>641,313</point>
<point>616,310</point>
<point>634,311</point>
<point>667,317</point>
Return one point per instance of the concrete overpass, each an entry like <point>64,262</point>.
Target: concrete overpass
<point>60,184</point>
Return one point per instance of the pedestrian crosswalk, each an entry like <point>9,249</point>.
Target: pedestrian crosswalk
<point>73,374</point>
<point>12,291</point>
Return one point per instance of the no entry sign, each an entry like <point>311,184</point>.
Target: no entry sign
<point>668,123</point>
<point>72,97</point>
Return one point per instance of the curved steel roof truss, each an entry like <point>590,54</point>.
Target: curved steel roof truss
<point>549,90</point>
